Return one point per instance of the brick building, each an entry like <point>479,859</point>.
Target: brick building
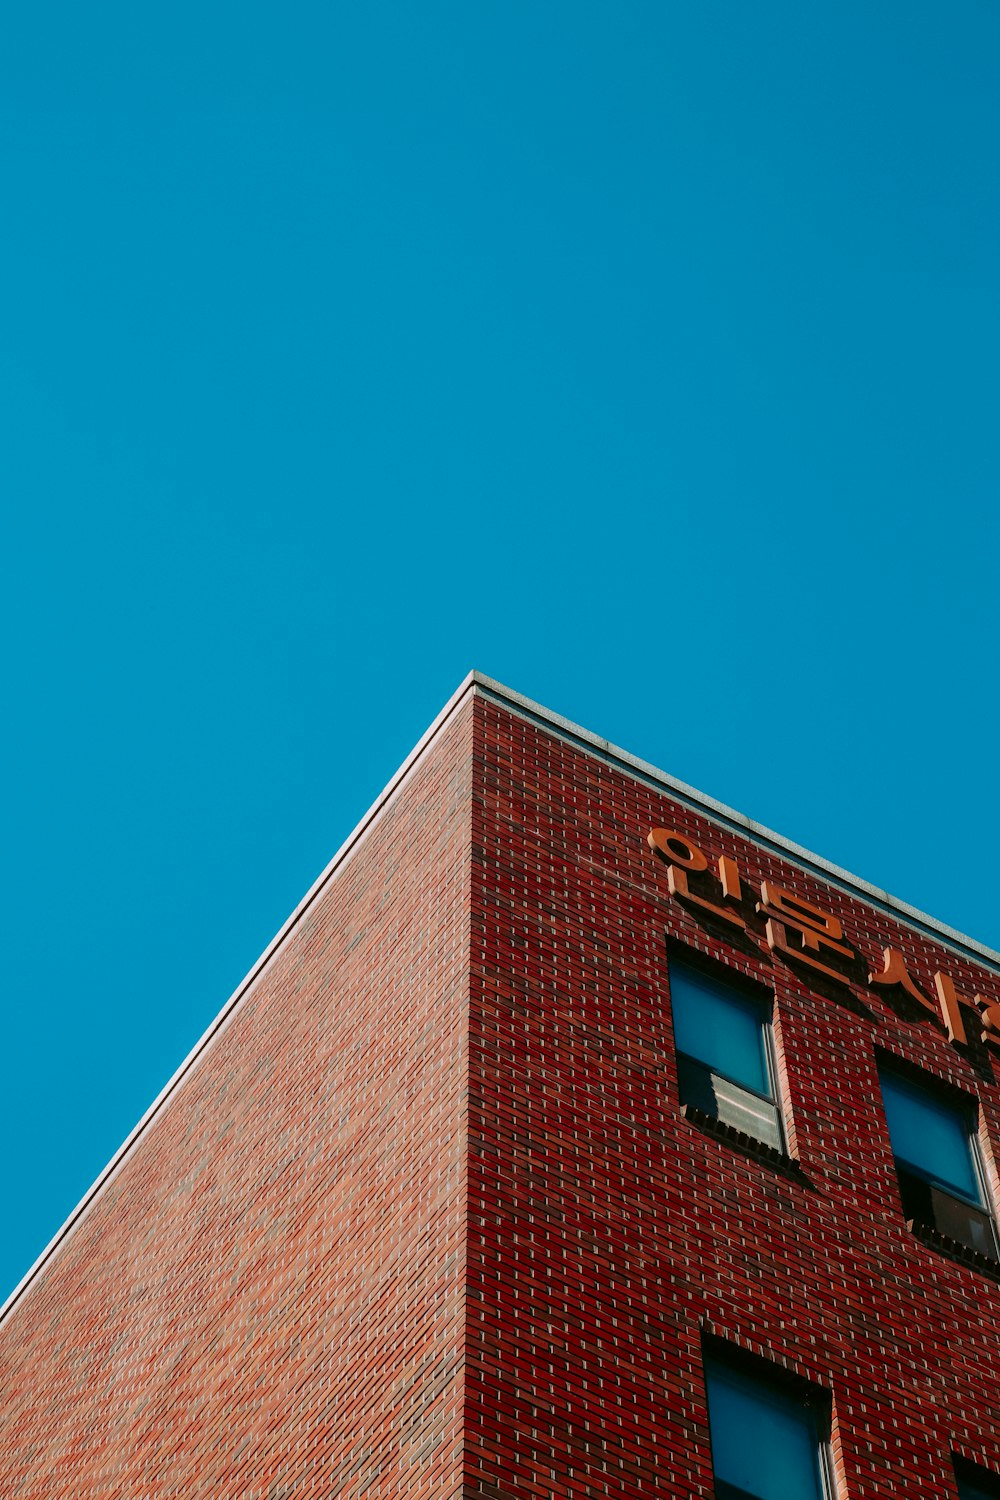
<point>575,1137</point>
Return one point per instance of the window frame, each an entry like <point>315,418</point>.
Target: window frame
<point>965,1108</point>
<point>753,997</point>
<point>773,1386</point>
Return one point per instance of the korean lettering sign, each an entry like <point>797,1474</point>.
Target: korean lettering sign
<point>809,937</point>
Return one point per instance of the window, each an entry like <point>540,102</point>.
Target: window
<point>975,1484</point>
<point>768,1443</point>
<point>968,1489</point>
<point>722,1032</point>
<point>937,1163</point>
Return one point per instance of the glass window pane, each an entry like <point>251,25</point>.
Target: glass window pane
<point>728,1102</point>
<point>716,1024</point>
<point>930,1135</point>
<point>762,1442</point>
<point>969,1491</point>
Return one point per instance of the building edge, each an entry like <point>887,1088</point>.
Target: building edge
<point>728,817</point>
<point>565,729</point>
<point>218,1025</point>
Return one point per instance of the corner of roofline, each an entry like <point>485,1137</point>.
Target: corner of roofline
<point>720,812</point>
<point>471,680</point>
<point>641,770</point>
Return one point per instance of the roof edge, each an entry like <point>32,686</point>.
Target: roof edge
<point>632,766</point>
<point>642,770</point>
<point>225,1015</point>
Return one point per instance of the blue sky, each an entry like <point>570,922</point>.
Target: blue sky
<point>643,356</point>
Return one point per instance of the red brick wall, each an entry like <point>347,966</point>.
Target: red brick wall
<point>607,1234</point>
<point>407,1230</point>
<point>266,1301</point>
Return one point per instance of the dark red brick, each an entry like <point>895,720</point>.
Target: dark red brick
<point>424,1219</point>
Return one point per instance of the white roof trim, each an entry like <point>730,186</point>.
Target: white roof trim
<point>226,1013</point>
<point>641,770</point>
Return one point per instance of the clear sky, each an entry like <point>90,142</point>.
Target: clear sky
<point>642,355</point>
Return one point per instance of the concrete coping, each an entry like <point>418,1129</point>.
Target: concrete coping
<point>565,729</point>
<point>728,817</point>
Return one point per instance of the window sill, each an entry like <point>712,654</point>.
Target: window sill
<point>954,1249</point>
<point>759,1150</point>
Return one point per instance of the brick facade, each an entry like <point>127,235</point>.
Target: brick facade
<point>425,1218</point>
<point>607,1234</point>
<point>266,1301</point>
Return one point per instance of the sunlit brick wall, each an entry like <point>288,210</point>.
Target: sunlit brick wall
<point>266,1301</point>
<point>607,1234</point>
<point>426,1220</point>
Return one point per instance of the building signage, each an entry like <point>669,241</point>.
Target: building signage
<point>808,936</point>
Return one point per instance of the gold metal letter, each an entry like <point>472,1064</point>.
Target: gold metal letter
<point>819,930</point>
<point>950,1010</point>
<point>662,840</point>
<point>894,971</point>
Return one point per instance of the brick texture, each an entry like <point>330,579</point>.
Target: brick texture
<point>608,1235</point>
<point>426,1219</point>
<point>266,1301</point>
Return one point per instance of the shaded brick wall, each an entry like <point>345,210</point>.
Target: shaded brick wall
<point>607,1234</point>
<point>266,1301</point>
<point>426,1220</point>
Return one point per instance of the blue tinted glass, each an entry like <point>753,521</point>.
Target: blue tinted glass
<point>928,1134</point>
<point>716,1025</point>
<point>762,1442</point>
<point>967,1491</point>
